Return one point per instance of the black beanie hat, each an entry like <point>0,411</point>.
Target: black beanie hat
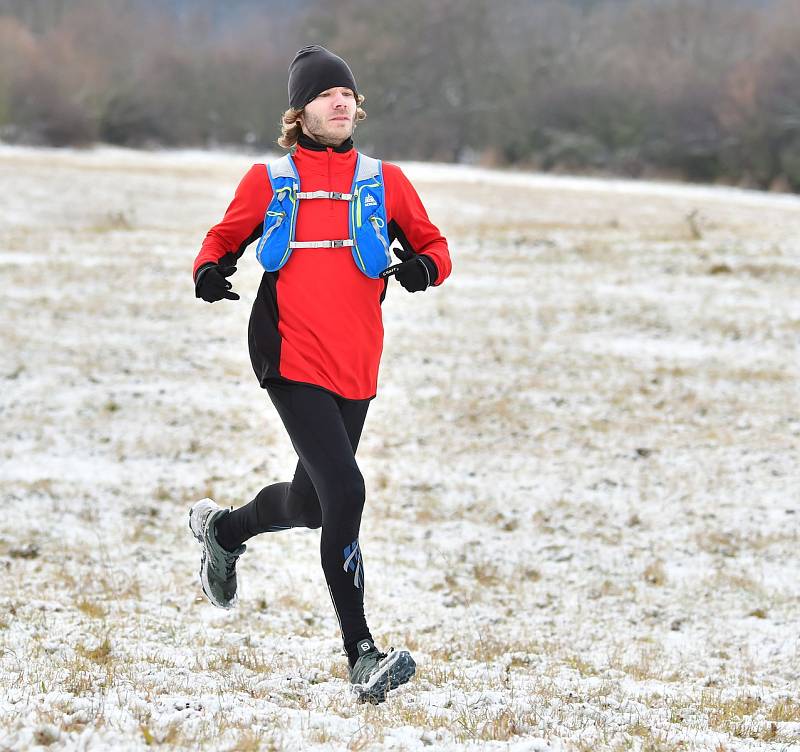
<point>314,70</point>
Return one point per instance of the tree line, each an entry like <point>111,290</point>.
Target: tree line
<point>695,89</point>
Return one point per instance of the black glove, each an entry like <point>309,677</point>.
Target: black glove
<point>211,284</point>
<point>416,272</point>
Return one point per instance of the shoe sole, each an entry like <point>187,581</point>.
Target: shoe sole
<point>397,670</point>
<point>199,536</point>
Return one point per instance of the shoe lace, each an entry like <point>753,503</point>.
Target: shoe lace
<point>230,563</point>
<point>228,558</point>
<point>376,657</point>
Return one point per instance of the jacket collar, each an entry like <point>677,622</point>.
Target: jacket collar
<point>311,145</point>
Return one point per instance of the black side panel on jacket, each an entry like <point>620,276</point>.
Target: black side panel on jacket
<point>262,332</point>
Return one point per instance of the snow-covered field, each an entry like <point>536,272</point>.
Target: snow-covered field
<point>583,484</point>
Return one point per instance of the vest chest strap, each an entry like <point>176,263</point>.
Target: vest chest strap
<point>336,196</point>
<point>320,244</point>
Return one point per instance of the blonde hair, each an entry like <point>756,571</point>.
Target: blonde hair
<point>291,127</point>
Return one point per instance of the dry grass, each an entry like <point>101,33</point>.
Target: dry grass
<point>91,609</point>
<point>591,472</point>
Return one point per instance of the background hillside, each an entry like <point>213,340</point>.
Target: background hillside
<point>701,90</point>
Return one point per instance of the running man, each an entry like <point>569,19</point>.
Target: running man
<point>324,217</point>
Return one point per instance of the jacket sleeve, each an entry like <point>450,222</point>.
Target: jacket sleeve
<point>242,224</point>
<point>409,222</point>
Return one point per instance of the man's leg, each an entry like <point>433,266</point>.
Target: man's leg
<point>325,431</point>
<point>281,506</point>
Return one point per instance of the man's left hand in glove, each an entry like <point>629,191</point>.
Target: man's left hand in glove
<point>416,272</point>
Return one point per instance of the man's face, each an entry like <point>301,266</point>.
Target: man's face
<point>330,118</point>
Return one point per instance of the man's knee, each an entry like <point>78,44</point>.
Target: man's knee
<point>345,493</point>
<point>354,488</point>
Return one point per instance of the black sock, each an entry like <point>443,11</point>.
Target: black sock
<point>222,534</point>
<point>351,648</point>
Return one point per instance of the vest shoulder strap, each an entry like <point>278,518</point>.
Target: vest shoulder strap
<point>282,168</point>
<point>368,167</point>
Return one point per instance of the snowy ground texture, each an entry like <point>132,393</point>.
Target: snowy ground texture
<point>582,469</point>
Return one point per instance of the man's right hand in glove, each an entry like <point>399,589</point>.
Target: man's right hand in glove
<point>211,283</point>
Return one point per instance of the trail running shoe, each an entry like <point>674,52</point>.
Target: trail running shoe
<point>375,673</point>
<point>217,565</point>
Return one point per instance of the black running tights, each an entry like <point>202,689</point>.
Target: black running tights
<point>327,491</point>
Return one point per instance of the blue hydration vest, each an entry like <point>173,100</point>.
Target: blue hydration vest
<point>369,237</point>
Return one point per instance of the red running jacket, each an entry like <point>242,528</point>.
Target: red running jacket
<point>317,320</point>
